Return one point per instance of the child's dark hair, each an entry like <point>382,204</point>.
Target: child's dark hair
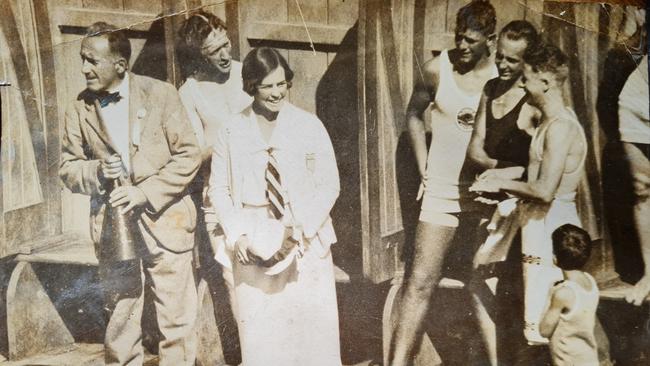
<point>571,246</point>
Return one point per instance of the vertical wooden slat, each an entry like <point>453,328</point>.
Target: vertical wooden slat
<point>308,68</point>
<point>51,113</point>
<point>452,9</point>
<point>233,24</point>
<point>312,11</point>
<point>146,6</point>
<point>71,3</point>
<point>507,11</point>
<point>23,82</point>
<point>269,10</point>
<point>171,26</point>
<point>342,12</point>
<point>535,12</point>
<point>367,156</point>
<point>103,4</point>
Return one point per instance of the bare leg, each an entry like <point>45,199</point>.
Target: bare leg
<point>640,169</point>
<point>642,288</point>
<point>484,305</point>
<point>431,245</point>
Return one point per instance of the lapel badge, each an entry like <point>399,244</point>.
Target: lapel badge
<point>135,134</point>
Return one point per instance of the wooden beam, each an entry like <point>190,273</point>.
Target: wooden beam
<point>171,25</point>
<point>24,83</point>
<point>51,108</point>
<point>320,34</point>
<point>233,24</point>
<point>75,17</point>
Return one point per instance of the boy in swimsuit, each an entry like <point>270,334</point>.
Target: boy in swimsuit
<point>570,317</point>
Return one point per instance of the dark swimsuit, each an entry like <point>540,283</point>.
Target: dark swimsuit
<point>504,141</point>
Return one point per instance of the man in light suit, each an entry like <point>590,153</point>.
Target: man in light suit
<point>124,124</point>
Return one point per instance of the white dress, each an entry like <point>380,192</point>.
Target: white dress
<point>290,318</point>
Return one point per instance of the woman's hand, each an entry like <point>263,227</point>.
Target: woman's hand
<point>241,250</point>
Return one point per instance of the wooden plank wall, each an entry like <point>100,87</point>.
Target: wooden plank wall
<point>25,177</point>
<point>291,27</point>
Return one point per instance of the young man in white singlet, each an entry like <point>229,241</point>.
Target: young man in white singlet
<point>453,81</point>
<point>547,199</point>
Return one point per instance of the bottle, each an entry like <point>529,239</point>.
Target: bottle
<point>121,238</point>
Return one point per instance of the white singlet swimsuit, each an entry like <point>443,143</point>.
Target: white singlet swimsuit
<point>452,122</point>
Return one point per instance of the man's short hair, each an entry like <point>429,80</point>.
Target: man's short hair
<point>518,30</point>
<point>259,63</point>
<point>479,15</point>
<point>571,246</point>
<point>197,27</point>
<point>546,57</point>
<point>118,42</point>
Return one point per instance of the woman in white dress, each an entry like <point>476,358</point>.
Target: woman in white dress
<point>273,183</point>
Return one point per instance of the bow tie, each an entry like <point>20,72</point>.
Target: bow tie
<point>109,98</point>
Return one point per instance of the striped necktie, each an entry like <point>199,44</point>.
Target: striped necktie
<point>274,187</point>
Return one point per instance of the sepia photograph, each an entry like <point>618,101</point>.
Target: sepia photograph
<point>324,183</point>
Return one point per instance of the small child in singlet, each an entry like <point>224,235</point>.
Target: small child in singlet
<point>570,316</point>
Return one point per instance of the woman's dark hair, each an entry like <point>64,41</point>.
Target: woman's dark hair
<point>571,246</point>
<point>259,63</point>
<point>520,29</point>
<point>191,36</point>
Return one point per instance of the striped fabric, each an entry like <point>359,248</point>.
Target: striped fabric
<point>274,192</point>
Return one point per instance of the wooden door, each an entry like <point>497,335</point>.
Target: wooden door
<point>28,195</point>
<point>308,33</point>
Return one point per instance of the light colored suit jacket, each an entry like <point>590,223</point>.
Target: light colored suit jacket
<point>307,167</point>
<point>165,157</point>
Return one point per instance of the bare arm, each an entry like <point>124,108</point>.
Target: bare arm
<point>561,302</point>
<point>421,97</point>
<point>476,150</point>
<point>557,144</point>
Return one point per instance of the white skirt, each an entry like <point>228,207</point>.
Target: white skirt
<point>290,318</point>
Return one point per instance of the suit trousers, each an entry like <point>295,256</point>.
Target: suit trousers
<point>171,278</point>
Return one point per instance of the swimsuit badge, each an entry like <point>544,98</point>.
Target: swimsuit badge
<point>465,119</point>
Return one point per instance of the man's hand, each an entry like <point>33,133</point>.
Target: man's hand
<point>490,185</point>
<point>639,292</point>
<point>422,188</point>
<point>110,168</point>
<point>131,196</point>
<point>241,250</point>
<point>510,173</point>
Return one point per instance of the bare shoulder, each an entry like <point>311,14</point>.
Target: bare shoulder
<point>431,71</point>
<point>563,129</point>
<point>564,296</point>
